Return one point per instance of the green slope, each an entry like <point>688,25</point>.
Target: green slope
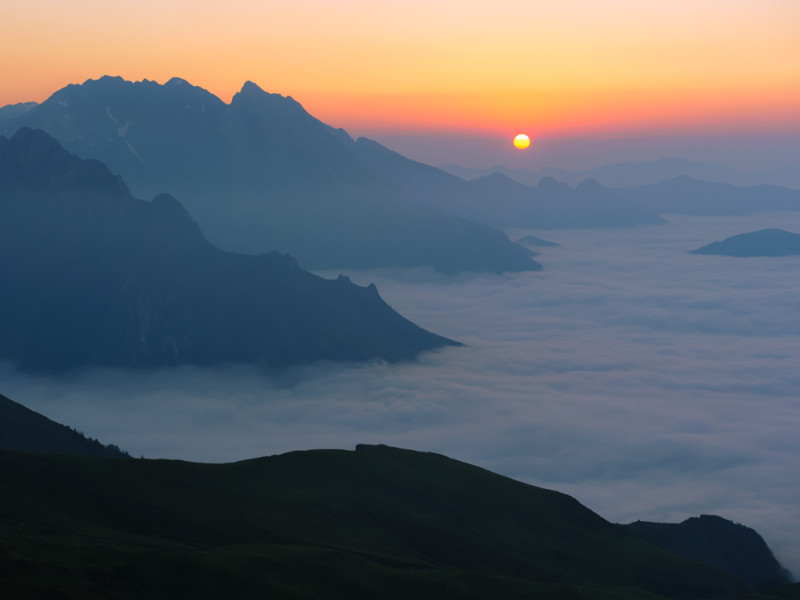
<point>375,523</point>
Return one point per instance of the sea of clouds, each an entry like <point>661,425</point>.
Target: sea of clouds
<point>647,382</point>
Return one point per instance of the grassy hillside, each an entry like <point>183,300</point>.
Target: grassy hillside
<point>375,523</point>
<point>27,431</point>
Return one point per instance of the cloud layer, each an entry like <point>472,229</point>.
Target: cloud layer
<point>646,382</point>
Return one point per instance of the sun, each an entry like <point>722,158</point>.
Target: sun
<point>522,141</point>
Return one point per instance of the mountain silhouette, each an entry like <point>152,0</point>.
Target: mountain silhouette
<point>24,430</point>
<point>766,242</point>
<point>630,174</point>
<point>93,276</point>
<point>686,196</point>
<point>375,523</point>
<point>532,240</point>
<point>8,114</point>
<point>716,541</point>
<point>501,202</point>
<point>261,174</point>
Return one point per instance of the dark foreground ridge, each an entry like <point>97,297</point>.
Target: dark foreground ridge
<point>379,522</point>
<point>94,277</point>
<point>730,546</point>
<point>25,430</point>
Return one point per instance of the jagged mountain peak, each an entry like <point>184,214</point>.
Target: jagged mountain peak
<point>261,173</point>
<point>252,95</point>
<point>37,160</point>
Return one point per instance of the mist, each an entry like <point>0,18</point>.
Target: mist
<point>753,152</point>
<point>647,382</point>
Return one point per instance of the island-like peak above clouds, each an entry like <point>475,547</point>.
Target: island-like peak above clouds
<point>262,174</point>
<point>94,277</point>
<point>766,242</point>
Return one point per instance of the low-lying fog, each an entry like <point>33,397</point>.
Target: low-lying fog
<point>647,382</point>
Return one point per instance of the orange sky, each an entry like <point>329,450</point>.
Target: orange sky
<point>573,67</point>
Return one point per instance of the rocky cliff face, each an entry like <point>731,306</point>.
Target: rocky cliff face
<point>93,276</point>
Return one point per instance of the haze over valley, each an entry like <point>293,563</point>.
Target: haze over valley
<point>648,382</point>
<point>411,300</point>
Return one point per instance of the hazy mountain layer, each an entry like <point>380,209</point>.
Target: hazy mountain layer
<point>93,276</point>
<point>630,174</point>
<point>686,196</point>
<point>766,242</point>
<point>261,174</point>
<point>13,111</point>
<point>378,522</point>
<point>502,202</point>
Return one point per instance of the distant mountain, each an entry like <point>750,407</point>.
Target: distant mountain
<point>532,240</point>
<point>93,276</point>
<point>261,174</point>
<point>14,111</point>
<point>631,174</point>
<point>379,522</point>
<point>24,430</point>
<point>766,242</point>
<point>716,541</point>
<point>501,202</point>
<point>686,196</point>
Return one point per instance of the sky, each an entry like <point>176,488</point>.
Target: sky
<point>453,81</point>
<point>646,382</point>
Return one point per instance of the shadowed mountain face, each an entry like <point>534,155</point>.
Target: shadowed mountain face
<point>716,541</point>
<point>24,430</point>
<point>93,276</point>
<point>766,242</point>
<point>379,522</point>
<point>262,174</point>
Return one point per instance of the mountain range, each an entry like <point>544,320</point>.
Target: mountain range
<point>633,174</point>
<point>765,242</point>
<point>261,174</point>
<point>686,196</point>
<point>95,277</point>
<point>501,202</point>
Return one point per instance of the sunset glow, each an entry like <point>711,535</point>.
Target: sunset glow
<point>621,67</point>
